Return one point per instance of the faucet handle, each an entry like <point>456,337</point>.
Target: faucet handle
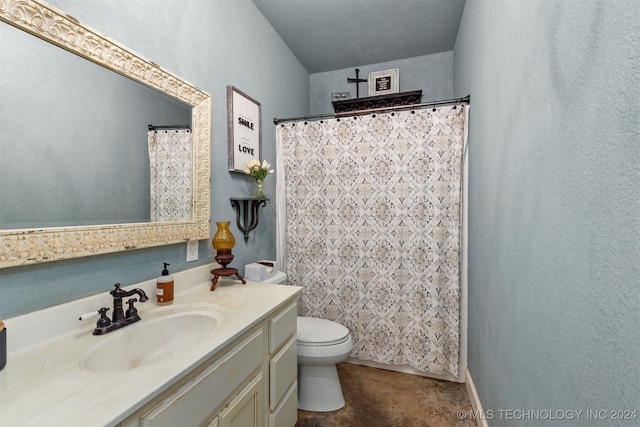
<point>132,312</point>
<point>93,313</point>
<point>103,321</point>
<point>89,315</point>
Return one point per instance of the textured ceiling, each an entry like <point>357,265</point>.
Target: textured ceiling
<point>334,34</point>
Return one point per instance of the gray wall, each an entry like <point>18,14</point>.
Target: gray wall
<point>554,271</point>
<point>431,73</point>
<point>211,44</point>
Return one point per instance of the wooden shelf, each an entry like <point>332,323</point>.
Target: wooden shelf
<point>381,101</point>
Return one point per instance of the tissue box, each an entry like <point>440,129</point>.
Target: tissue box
<point>269,263</point>
<point>257,272</point>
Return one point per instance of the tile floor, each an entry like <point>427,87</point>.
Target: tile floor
<point>380,398</point>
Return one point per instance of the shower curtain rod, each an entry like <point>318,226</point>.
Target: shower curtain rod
<point>159,127</point>
<point>455,101</point>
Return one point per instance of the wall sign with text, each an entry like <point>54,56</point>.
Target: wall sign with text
<point>243,127</point>
<point>384,82</point>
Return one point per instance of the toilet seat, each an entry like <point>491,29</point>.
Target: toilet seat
<point>320,332</point>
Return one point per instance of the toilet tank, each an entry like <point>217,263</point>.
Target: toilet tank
<point>280,278</point>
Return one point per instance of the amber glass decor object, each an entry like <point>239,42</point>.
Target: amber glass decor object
<point>223,241</point>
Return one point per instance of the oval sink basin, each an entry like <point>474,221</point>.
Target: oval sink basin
<point>162,333</point>
<point>148,342</point>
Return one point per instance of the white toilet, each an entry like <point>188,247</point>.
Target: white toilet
<point>321,345</point>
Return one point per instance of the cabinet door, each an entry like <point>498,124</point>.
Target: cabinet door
<point>245,409</point>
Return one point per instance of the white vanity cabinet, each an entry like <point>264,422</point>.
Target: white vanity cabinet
<point>240,373</point>
<point>249,383</point>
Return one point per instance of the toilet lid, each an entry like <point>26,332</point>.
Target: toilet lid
<point>314,331</point>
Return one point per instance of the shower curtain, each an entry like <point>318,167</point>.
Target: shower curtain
<point>369,218</point>
<point>171,174</point>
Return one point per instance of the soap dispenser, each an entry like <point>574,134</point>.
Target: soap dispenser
<point>164,287</point>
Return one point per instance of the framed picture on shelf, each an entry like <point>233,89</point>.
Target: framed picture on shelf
<point>243,127</point>
<point>384,82</point>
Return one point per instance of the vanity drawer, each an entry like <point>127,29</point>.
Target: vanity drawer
<point>283,371</point>
<point>286,414</point>
<point>282,327</point>
<point>195,401</point>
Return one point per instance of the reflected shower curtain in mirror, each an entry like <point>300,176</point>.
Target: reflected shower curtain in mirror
<point>171,167</point>
<point>369,225</point>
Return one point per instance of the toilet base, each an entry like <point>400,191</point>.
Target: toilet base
<point>319,388</point>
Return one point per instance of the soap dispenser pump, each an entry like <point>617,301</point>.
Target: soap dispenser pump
<point>164,287</point>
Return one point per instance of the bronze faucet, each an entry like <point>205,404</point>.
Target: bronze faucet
<point>120,319</point>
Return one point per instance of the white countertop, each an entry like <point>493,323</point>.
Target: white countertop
<point>29,396</point>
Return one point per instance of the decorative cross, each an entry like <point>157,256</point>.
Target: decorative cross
<point>357,81</point>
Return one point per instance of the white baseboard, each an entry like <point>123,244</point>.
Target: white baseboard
<point>475,400</point>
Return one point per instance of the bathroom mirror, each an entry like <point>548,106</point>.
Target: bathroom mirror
<point>38,241</point>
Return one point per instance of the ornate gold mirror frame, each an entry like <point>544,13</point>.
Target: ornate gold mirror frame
<point>28,246</point>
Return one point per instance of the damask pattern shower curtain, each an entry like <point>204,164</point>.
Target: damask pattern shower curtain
<point>370,228</point>
<point>171,180</point>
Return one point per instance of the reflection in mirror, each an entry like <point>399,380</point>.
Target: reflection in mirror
<point>171,184</point>
<point>69,127</point>
<point>77,182</point>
